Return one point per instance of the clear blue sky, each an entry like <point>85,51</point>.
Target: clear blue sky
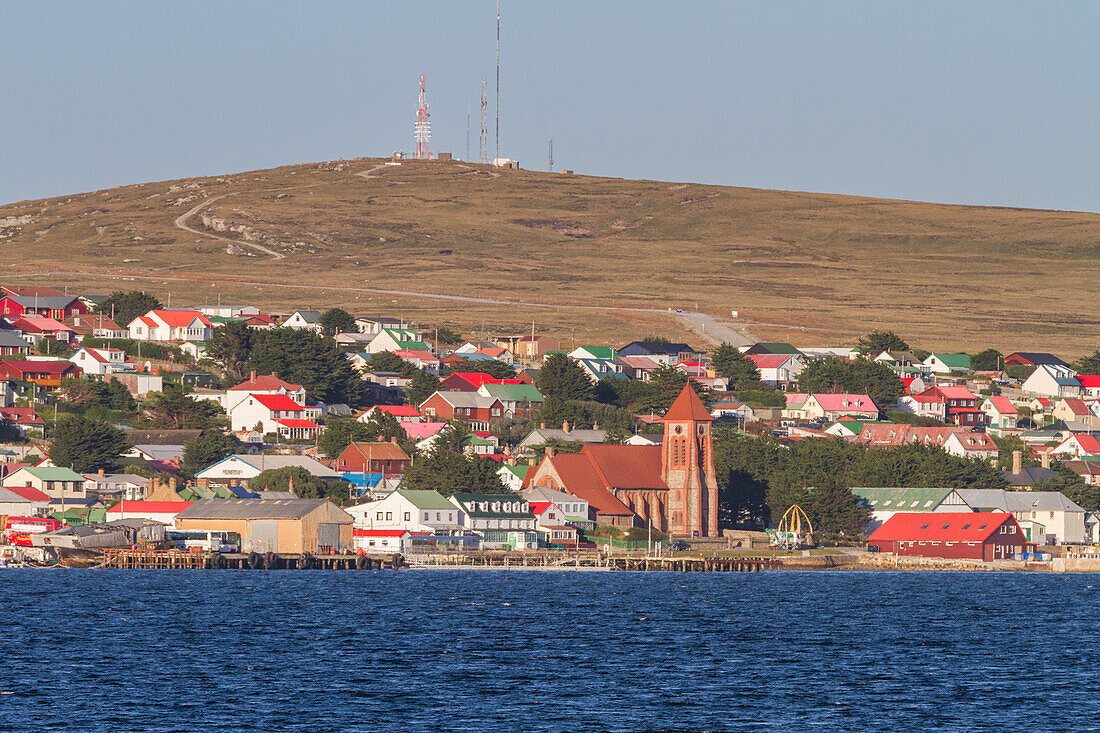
<point>961,102</point>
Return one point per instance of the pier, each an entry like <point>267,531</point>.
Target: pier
<point>591,561</point>
<point>147,559</point>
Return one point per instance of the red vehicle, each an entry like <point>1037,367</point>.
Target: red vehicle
<point>18,530</point>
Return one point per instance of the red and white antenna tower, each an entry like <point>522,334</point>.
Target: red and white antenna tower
<point>423,127</point>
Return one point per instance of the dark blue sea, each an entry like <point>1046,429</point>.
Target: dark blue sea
<point>489,650</point>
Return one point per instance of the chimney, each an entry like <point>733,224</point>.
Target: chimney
<point>542,426</point>
<point>565,426</point>
<point>172,483</point>
<point>275,374</point>
<point>595,425</point>
<point>1017,462</point>
<point>101,472</point>
<point>394,440</point>
<point>290,484</point>
<point>549,451</point>
<point>1045,458</point>
<point>252,376</point>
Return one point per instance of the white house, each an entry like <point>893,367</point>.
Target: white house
<point>229,311</point>
<point>575,509</point>
<point>275,413</point>
<point>171,325</point>
<point>375,325</point>
<point>126,485</point>
<point>1002,413</point>
<point>735,410</point>
<point>967,444</point>
<point>7,394</point>
<point>503,520</point>
<point>778,370</point>
<point>1078,446</point>
<point>23,501</point>
<point>396,339</point>
<point>414,511</point>
<point>238,470</point>
<point>265,384</point>
<point>309,320</point>
<point>101,362</point>
<point>1052,380</point>
<point>948,363</point>
<point>380,540</point>
<point>1047,517</point>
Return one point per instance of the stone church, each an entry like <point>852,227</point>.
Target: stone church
<point>672,484</point>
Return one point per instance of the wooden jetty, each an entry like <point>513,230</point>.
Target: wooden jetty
<point>591,560</point>
<point>150,559</point>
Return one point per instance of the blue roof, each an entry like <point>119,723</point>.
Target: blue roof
<point>362,480</point>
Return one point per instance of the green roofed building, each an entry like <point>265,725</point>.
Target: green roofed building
<point>57,483</point>
<point>884,503</point>
<point>771,348</point>
<point>503,520</point>
<point>948,363</point>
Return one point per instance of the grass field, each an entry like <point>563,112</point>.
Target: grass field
<point>816,269</point>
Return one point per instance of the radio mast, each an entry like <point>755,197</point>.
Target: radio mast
<point>484,157</point>
<point>423,128</point>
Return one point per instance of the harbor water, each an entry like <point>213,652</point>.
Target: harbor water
<point>513,650</point>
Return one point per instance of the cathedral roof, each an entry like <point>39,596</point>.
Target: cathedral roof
<point>688,406</point>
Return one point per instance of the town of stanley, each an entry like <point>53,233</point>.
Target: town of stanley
<point>639,367</point>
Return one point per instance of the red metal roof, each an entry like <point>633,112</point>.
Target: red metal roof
<point>180,318</point>
<point>29,492</point>
<point>21,415</point>
<point>265,383</point>
<point>942,527</point>
<point>277,402</point>
<point>627,466</point>
<point>398,410</point>
<point>149,507</point>
<point>379,532</point>
<point>770,361</point>
<point>1089,381</point>
<point>1003,405</point>
<point>296,423</point>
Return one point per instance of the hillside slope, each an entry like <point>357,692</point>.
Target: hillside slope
<point>969,276</point>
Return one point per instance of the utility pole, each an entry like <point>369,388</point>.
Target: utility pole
<point>550,167</point>
<point>467,131</point>
<point>483,157</point>
<point>498,83</point>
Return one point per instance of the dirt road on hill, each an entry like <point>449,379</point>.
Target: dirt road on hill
<point>717,332</point>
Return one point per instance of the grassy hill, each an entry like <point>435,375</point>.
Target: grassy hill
<point>813,268</point>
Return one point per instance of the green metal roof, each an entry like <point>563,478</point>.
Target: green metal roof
<point>519,471</point>
<point>600,352</point>
<point>955,361</point>
<point>425,499</point>
<point>54,474</point>
<point>901,499</point>
<point>514,392</point>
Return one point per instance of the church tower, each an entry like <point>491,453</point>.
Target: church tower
<point>687,467</point>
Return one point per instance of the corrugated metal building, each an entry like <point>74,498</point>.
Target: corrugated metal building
<point>984,536</point>
<point>274,525</point>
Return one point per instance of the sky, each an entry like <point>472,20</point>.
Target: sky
<point>958,102</point>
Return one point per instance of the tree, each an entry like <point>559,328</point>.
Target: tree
<point>614,390</point>
<point>309,359</point>
<point>423,385</point>
<point>668,382</point>
<point>86,445</point>
<point>9,433</point>
<point>1072,485</point>
<point>52,347</point>
<point>387,361</point>
<point>444,335</point>
<point>175,410</point>
<point>111,395</point>
<point>210,447</point>
<point>492,367</point>
<point>861,376</point>
<point>1088,364</point>
<point>305,484</point>
<point>337,320</point>
<point>987,361</point>
<point>453,473</point>
<point>740,370</point>
<point>877,342</point>
<point>340,432</point>
<point>562,378</point>
<point>585,414</point>
<point>124,307</point>
<point>231,348</point>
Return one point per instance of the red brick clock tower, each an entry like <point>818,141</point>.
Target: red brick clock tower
<point>687,467</point>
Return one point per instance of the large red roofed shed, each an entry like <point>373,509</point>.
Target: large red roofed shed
<point>985,536</point>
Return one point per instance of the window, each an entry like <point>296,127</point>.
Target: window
<point>966,526</point>
<point>389,516</point>
<point>924,526</point>
<point>408,516</point>
<point>437,515</point>
<point>426,516</point>
<point>947,525</point>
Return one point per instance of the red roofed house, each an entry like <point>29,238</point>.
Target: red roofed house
<point>985,536</point>
<point>1090,385</point>
<point>1078,446</point>
<point>779,370</point>
<point>955,405</point>
<point>832,407</point>
<point>470,381</point>
<point>23,418</point>
<point>952,439</point>
<point>672,484</point>
<point>387,459</point>
<point>37,328</point>
<point>1000,413</point>
<point>171,325</point>
<point>43,373</point>
<point>158,511</point>
<point>100,362</point>
<point>1072,408</point>
<point>97,326</point>
<point>274,413</point>
<point>402,413</point>
<point>550,520</point>
<point>265,384</point>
